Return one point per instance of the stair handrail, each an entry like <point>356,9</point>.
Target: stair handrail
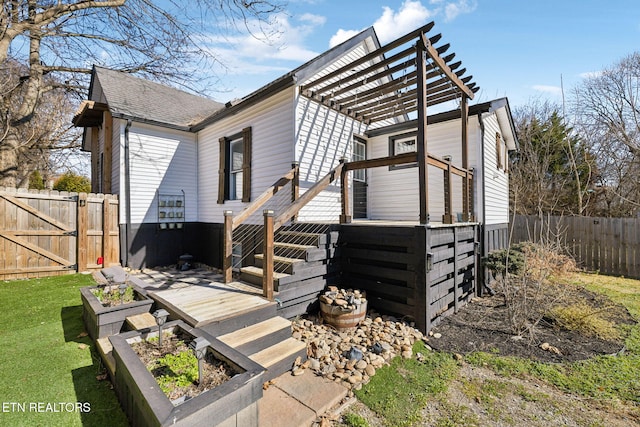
<point>264,197</point>
<point>231,222</point>
<point>308,195</point>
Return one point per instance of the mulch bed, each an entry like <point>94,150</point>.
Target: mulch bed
<point>481,325</point>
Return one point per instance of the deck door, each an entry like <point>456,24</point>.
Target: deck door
<point>359,179</point>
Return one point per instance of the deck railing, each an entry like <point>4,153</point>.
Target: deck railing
<point>272,222</point>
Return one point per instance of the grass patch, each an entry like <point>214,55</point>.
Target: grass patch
<point>46,358</point>
<point>354,420</point>
<point>583,318</point>
<point>603,377</point>
<point>399,391</point>
<point>454,415</point>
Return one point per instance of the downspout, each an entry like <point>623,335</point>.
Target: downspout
<point>127,194</point>
<point>483,251</point>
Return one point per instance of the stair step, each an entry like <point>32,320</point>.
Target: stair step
<point>240,320</point>
<point>141,321</point>
<point>292,250</point>
<point>286,265</point>
<point>305,252</point>
<point>253,275</point>
<point>302,238</point>
<point>279,358</point>
<point>258,336</point>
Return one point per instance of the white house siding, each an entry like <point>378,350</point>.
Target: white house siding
<point>272,129</point>
<point>496,181</point>
<point>393,194</point>
<point>161,161</point>
<point>323,137</point>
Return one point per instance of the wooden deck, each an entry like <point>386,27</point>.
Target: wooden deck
<point>199,298</point>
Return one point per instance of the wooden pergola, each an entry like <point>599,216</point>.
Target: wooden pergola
<point>397,80</point>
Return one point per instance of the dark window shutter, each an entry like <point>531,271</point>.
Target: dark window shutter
<point>222,173</point>
<point>246,164</point>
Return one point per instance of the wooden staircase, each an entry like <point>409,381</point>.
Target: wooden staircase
<point>263,336</point>
<point>303,267</point>
<point>268,343</point>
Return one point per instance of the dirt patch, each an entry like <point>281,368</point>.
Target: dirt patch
<point>482,325</point>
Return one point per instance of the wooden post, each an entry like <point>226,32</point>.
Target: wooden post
<point>107,152</point>
<point>345,217</point>
<point>295,185</point>
<point>464,118</point>
<point>447,218</point>
<point>106,231</point>
<point>267,266</point>
<point>456,276</point>
<point>470,180</point>
<point>227,260</point>
<point>423,173</point>
<point>83,240</point>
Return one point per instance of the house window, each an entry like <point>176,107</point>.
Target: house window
<point>234,175</point>
<point>401,144</point>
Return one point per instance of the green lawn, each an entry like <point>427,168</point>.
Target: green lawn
<point>398,392</point>
<point>48,367</point>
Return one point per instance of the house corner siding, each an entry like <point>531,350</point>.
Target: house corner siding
<point>496,181</point>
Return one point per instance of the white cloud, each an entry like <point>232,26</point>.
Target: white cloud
<point>313,19</point>
<point>452,10</point>
<point>411,15</point>
<point>590,74</point>
<point>342,35</point>
<point>287,44</point>
<point>552,90</point>
<point>391,25</point>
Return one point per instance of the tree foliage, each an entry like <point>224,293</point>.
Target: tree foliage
<point>69,181</point>
<point>553,170</point>
<point>47,49</point>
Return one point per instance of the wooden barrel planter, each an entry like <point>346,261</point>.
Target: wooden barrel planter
<point>341,318</point>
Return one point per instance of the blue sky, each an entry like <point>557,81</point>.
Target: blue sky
<point>514,48</point>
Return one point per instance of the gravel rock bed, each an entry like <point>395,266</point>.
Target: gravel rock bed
<point>352,356</point>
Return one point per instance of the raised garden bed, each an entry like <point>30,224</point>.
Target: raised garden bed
<point>102,320</point>
<point>232,399</point>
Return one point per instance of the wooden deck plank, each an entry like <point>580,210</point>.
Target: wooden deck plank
<point>207,303</point>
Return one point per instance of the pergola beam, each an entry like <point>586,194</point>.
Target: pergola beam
<point>437,60</point>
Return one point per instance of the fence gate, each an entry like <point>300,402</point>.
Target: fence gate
<point>46,233</point>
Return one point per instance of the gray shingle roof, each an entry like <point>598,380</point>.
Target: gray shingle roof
<point>136,98</point>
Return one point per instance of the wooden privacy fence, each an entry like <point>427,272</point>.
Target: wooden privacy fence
<point>608,245</point>
<point>47,233</point>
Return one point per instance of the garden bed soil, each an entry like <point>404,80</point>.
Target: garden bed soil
<point>482,325</point>
<point>214,371</point>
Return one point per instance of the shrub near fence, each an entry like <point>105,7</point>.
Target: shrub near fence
<point>47,233</point>
<point>608,245</point>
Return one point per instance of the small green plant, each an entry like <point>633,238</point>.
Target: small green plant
<point>354,420</point>
<point>110,296</point>
<point>175,370</point>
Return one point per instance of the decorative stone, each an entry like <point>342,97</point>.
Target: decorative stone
<point>370,370</point>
